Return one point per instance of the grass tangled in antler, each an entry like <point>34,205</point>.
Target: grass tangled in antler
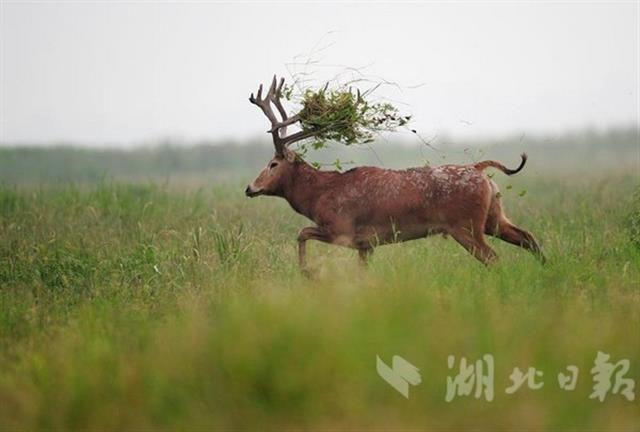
<point>345,115</point>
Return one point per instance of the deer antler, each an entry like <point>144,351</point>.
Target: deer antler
<point>278,129</point>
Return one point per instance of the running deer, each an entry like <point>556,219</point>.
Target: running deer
<point>368,206</point>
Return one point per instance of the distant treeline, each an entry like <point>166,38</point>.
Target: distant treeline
<point>581,151</point>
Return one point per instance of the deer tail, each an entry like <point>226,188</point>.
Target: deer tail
<point>490,163</point>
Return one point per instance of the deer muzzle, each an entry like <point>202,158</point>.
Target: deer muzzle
<point>251,192</point>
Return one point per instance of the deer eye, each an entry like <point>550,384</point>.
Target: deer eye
<point>273,165</point>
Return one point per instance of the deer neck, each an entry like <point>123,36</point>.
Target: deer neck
<point>304,187</point>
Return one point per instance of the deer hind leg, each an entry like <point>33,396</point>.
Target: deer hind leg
<point>309,233</point>
<point>517,236</point>
<point>498,225</point>
<point>473,241</point>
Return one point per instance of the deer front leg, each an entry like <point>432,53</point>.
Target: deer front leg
<point>364,255</point>
<point>309,233</point>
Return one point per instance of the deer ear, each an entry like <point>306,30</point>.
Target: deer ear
<point>289,155</point>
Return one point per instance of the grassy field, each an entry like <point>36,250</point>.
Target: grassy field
<point>141,305</point>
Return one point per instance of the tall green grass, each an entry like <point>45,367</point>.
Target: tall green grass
<point>129,306</point>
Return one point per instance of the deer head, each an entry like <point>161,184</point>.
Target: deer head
<point>272,177</point>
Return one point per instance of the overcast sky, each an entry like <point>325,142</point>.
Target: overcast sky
<point>100,73</point>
